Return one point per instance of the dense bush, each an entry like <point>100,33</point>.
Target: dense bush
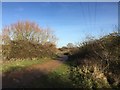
<point>26,49</point>
<point>104,53</point>
<point>88,77</point>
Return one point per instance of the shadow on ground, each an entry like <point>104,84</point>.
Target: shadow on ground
<point>33,78</point>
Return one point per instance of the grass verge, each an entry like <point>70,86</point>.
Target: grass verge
<point>19,64</point>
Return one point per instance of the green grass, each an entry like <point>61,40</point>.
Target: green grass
<point>58,78</point>
<point>55,79</point>
<point>19,64</point>
<point>62,70</point>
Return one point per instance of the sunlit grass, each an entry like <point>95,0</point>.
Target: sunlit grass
<point>20,64</point>
<point>62,70</point>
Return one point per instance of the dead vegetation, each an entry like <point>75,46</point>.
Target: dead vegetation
<point>103,53</point>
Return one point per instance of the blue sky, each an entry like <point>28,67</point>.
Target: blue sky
<point>72,22</point>
<point>0,16</point>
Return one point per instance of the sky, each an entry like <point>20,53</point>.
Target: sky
<point>70,21</point>
<point>0,16</point>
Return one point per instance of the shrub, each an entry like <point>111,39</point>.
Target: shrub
<point>103,52</point>
<point>25,49</point>
<point>88,77</point>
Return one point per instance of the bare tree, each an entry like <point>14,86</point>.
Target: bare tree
<point>26,30</point>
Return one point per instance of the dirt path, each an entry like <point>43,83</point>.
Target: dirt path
<point>63,58</point>
<point>25,77</point>
<point>46,67</point>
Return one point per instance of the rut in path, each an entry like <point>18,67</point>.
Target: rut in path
<point>25,77</point>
